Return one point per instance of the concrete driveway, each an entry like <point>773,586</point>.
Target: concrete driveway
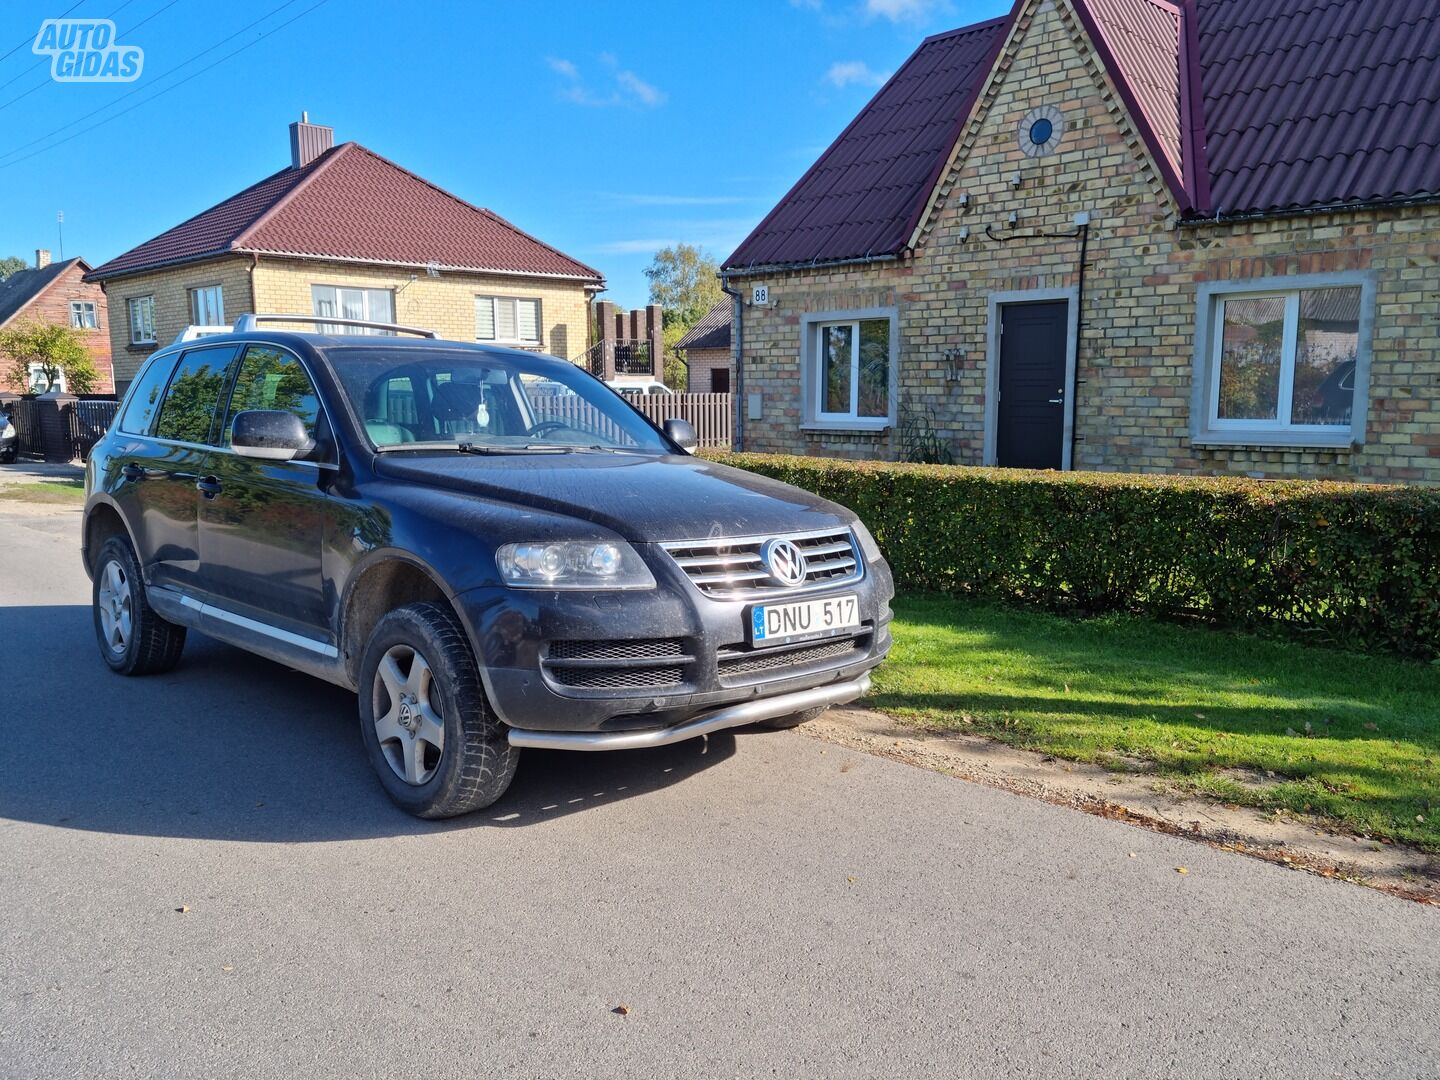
<point>763,904</point>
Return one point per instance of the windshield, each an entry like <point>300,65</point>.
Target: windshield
<point>411,396</point>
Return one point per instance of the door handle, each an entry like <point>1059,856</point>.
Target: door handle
<point>132,472</point>
<point>208,486</point>
<point>1057,401</point>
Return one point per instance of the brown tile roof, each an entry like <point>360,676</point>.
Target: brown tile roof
<point>713,329</point>
<point>1247,106</point>
<point>351,204</point>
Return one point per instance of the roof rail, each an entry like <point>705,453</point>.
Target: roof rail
<point>247,323</point>
<point>195,331</point>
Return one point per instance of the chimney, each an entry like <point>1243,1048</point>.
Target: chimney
<point>308,141</point>
<point>42,258</point>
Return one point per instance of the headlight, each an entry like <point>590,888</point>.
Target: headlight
<point>573,564</point>
<point>9,432</point>
<point>868,547</point>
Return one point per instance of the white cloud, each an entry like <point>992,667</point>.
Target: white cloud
<point>619,87</point>
<point>844,73</point>
<point>906,10</point>
<point>642,91</point>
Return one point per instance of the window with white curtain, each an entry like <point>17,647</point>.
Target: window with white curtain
<point>82,315</point>
<point>142,320</point>
<point>207,306</point>
<point>345,302</point>
<point>507,319</point>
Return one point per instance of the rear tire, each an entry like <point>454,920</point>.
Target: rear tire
<point>780,723</point>
<point>436,745</point>
<point>133,639</point>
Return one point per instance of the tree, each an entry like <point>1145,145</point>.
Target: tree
<point>10,264</point>
<point>683,282</point>
<point>54,349</point>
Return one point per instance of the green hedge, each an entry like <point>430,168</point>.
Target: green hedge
<point>1351,565</point>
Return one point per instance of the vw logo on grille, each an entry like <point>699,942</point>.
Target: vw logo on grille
<point>784,561</point>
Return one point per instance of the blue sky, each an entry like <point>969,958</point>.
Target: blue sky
<point>608,130</point>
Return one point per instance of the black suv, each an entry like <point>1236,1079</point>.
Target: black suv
<point>491,547</point>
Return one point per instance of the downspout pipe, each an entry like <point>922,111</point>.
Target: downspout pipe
<point>737,321</point>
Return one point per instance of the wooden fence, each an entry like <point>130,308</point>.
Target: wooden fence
<point>709,414</point>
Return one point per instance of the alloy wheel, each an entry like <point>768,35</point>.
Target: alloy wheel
<point>116,602</point>
<point>408,721</point>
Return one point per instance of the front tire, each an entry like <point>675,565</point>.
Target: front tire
<point>133,639</point>
<point>432,738</point>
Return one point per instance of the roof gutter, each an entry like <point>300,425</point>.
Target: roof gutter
<point>738,344</point>
<point>813,264</point>
<point>1220,217</point>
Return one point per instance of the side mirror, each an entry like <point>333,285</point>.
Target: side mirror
<point>271,434</point>
<point>682,433</point>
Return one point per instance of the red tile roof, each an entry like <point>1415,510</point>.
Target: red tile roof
<point>1139,41</point>
<point>863,195</point>
<point>1248,106</point>
<point>1316,102</point>
<point>353,205</point>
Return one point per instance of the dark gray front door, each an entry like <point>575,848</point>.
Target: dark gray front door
<point>1030,419</point>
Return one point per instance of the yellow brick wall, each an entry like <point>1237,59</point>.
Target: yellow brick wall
<point>445,304</point>
<point>170,288</point>
<point>1134,368</point>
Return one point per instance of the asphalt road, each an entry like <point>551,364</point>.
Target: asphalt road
<point>764,904</point>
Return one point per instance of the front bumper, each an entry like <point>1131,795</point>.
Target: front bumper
<point>645,662</point>
<point>752,712</point>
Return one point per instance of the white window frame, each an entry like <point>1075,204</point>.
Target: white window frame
<point>79,310</point>
<point>495,298</point>
<point>367,314</point>
<point>200,306</point>
<point>137,330</point>
<point>36,370</point>
<point>813,417</point>
<point>1207,429</point>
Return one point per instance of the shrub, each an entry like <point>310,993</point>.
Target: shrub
<point>1348,564</point>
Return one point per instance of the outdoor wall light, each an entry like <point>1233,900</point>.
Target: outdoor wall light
<point>1014,218</point>
<point>963,201</point>
<point>964,234</point>
<point>1015,180</point>
<point>954,361</point>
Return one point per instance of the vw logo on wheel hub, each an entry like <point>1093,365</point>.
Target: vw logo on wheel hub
<point>784,562</point>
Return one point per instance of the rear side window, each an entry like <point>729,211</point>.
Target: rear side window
<point>145,399</point>
<point>192,400</point>
<point>270,378</point>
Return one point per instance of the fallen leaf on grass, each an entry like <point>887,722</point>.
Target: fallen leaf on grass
<point>621,1010</point>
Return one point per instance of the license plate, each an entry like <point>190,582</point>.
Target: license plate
<point>778,624</point>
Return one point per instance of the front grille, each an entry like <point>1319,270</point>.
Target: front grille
<point>731,569</point>
<point>621,664</point>
<point>744,664</point>
<point>618,678</point>
<point>637,649</point>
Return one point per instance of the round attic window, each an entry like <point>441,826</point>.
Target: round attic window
<point>1041,131</point>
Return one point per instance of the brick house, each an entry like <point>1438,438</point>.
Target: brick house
<point>706,348</point>
<point>343,231</point>
<point>1120,234</point>
<point>57,294</point>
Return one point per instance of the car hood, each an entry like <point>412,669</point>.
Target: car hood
<point>643,499</point>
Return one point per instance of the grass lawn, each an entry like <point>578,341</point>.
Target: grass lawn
<point>1355,739</point>
<point>53,492</point>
